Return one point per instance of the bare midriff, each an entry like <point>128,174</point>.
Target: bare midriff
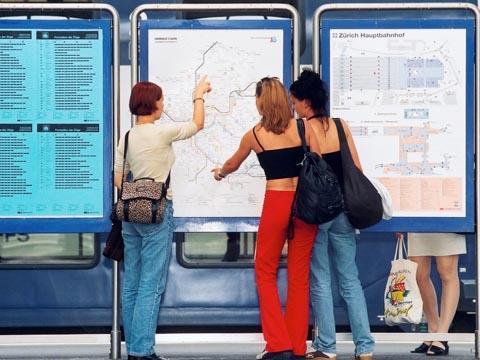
<point>287,184</point>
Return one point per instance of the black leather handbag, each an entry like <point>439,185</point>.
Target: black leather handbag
<point>318,197</point>
<point>363,204</point>
<point>114,244</point>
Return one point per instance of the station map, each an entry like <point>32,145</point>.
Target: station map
<point>402,93</point>
<point>234,60</point>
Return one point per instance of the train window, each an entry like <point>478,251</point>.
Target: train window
<point>48,249</point>
<point>225,249</point>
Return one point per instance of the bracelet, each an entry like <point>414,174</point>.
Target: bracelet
<point>199,98</point>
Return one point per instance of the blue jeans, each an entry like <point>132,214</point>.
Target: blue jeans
<point>338,236</point>
<point>147,256</point>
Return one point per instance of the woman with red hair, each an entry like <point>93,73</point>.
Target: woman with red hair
<point>148,246</point>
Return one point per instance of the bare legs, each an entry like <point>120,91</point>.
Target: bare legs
<point>447,267</point>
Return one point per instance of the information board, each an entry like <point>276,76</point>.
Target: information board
<point>235,54</point>
<point>55,125</point>
<point>406,90</point>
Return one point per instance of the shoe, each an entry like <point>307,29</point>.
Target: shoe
<point>149,357</point>
<point>422,349</point>
<point>364,357</point>
<point>318,355</point>
<point>280,355</point>
<point>435,350</point>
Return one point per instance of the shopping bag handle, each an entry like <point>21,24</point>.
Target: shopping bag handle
<point>400,248</point>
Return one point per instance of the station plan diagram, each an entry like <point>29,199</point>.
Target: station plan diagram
<point>234,60</point>
<point>402,92</point>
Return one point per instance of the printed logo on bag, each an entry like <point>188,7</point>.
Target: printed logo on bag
<point>397,289</point>
<point>397,294</point>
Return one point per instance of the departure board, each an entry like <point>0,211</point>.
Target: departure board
<point>55,122</point>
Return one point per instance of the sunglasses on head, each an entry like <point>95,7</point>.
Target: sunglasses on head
<point>269,78</point>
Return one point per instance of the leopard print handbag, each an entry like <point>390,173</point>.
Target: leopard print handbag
<point>141,201</point>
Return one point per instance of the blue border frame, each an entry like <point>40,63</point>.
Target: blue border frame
<point>76,224</point>
<point>423,224</point>
<point>212,224</point>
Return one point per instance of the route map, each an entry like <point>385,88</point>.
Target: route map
<point>402,92</point>
<point>234,60</point>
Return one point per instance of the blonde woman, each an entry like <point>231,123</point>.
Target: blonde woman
<point>276,142</point>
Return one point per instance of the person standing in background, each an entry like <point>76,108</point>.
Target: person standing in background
<point>445,247</point>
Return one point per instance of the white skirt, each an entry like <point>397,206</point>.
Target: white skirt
<point>436,244</point>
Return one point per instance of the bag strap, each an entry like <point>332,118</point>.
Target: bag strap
<point>400,248</point>
<point>344,149</point>
<point>301,133</point>
<point>166,185</point>
<point>167,182</point>
<point>290,227</point>
<point>125,148</point>
<point>340,131</point>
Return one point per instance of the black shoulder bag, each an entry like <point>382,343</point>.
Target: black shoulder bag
<point>318,197</point>
<point>114,246</point>
<point>363,204</point>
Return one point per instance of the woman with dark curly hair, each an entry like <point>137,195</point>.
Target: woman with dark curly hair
<point>335,243</point>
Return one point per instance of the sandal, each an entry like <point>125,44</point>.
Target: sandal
<point>435,350</point>
<point>422,349</point>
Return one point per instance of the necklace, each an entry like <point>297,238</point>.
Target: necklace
<point>314,116</point>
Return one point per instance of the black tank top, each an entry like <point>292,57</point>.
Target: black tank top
<point>280,163</point>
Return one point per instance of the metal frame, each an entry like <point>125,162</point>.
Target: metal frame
<point>220,8</point>
<point>15,7</point>
<point>426,6</point>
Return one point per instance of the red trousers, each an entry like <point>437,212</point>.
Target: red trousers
<point>283,331</point>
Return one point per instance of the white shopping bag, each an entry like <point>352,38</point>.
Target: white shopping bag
<point>403,303</point>
<point>386,198</point>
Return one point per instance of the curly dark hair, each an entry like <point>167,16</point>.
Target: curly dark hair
<point>309,86</point>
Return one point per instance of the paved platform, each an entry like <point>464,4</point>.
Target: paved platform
<point>54,347</point>
<point>210,352</point>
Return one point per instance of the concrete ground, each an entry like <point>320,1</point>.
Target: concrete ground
<point>387,351</point>
<point>197,347</point>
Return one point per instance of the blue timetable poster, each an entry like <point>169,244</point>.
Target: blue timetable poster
<point>55,126</point>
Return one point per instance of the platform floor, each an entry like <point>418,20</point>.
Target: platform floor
<point>385,351</point>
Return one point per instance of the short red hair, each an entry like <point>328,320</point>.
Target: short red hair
<point>143,98</point>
